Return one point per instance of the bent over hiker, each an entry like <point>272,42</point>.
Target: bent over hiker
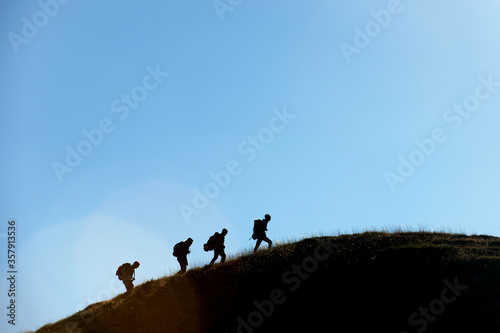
<point>216,243</point>
<point>259,232</point>
<point>126,273</point>
<point>181,251</point>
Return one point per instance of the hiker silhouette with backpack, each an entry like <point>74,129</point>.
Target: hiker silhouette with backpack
<point>216,243</point>
<point>181,251</point>
<point>126,273</point>
<point>259,231</point>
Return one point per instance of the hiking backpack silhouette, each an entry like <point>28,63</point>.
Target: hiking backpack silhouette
<point>126,274</point>
<point>216,243</point>
<point>259,232</point>
<point>181,250</point>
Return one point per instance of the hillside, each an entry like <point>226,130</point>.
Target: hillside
<point>369,282</point>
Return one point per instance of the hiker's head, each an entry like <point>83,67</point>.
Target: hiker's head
<point>224,231</point>
<point>136,264</point>
<point>189,241</point>
<point>267,217</point>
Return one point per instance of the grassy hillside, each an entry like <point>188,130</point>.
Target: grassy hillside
<point>369,282</point>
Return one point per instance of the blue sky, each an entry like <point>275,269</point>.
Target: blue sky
<point>333,117</point>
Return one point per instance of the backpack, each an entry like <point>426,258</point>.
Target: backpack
<point>121,270</point>
<point>176,252</point>
<point>258,228</point>
<point>209,246</point>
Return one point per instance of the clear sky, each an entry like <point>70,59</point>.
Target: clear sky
<point>127,126</point>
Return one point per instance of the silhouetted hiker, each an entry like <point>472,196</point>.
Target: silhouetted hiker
<point>259,232</point>
<point>181,251</point>
<point>216,243</point>
<point>126,273</point>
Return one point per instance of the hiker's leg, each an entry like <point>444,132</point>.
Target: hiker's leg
<point>257,245</point>
<point>182,263</point>
<point>223,256</point>
<point>216,255</point>
<point>129,285</point>
<point>268,241</point>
